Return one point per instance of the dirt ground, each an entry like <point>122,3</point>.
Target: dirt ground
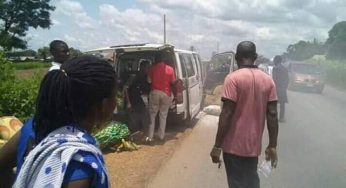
<point>215,97</point>
<point>30,72</point>
<point>135,169</point>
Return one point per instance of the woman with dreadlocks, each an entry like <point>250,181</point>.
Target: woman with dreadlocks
<point>72,101</point>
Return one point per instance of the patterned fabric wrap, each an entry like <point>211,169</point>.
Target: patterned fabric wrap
<point>46,164</point>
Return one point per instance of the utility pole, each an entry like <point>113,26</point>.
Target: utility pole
<point>164,29</point>
<point>217,47</point>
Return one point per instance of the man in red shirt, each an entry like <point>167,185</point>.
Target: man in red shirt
<point>161,77</point>
<point>249,98</point>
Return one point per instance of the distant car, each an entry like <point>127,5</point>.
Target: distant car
<point>306,76</point>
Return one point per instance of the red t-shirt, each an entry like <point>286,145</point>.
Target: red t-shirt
<point>162,76</point>
<point>251,89</point>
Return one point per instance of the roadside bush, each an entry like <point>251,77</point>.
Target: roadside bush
<point>6,69</point>
<point>30,65</point>
<point>335,72</point>
<point>17,95</point>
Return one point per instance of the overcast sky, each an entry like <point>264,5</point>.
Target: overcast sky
<point>271,24</point>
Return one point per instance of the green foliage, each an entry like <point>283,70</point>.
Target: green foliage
<point>335,72</point>
<point>17,96</point>
<point>337,33</point>
<point>334,48</point>
<point>31,65</point>
<point>6,70</point>
<point>336,43</point>
<point>337,50</point>
<point>17,54</point>
<point>43,53</point>
<point>304,50</point>
<point>112,134</point>
<point>17,16</point>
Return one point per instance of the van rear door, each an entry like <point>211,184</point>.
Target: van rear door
<point>199,67</point>
<point>193,86</point>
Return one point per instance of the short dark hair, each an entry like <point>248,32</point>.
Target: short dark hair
<point>277,59</point>
<point>145,63</point>
<point>67,94</point>
<point>55,43</point>
<point>246,50</point>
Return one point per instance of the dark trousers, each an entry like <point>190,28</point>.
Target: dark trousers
<point>282,110</point>
<point>139,120</point>
<point>241,171</point>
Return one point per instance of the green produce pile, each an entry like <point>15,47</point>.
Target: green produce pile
<point>114,135</point>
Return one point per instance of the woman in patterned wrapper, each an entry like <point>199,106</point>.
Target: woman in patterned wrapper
<point>72,101</point>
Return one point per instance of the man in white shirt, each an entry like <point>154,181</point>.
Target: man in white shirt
<point>60,53</point>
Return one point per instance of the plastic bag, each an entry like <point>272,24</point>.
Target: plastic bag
<point>212,110</point>
<point>265,168</point>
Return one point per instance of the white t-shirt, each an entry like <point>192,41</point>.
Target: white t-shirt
<point>55,66</point>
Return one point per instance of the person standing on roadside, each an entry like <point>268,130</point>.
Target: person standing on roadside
<point>249,97</point>
<point>72,102</point>
<point>281,79</point>
<point>23,141</point>
<point>161,77</point>
<point>60,53</point>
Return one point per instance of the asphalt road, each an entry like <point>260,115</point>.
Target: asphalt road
<point>312,148</point>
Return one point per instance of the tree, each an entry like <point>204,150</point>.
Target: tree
<point>337,50</point>
<point>304,50</point>
<point>17,54</point>
<point>17,16</point>
<point>262,60</point>
<point>44,52</point>
<point>29,52</point>
<point>336,43</point>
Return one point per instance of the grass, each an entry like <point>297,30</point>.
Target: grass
<point>31,65</point>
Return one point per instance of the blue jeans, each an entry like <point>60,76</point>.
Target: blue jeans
<point>241,171</point>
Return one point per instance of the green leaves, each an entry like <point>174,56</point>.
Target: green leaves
<point>17,95</point>
<point>18,16</point>
<point>6,70</point>
<point>112,134</point>
<point>334,48</point>
<point>304,50</point>
<point>335,72</point>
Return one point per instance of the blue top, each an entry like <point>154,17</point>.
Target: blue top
<point>26,133</point>
<point>75,170</point>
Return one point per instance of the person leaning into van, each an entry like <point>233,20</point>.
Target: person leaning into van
<point>138,98</point>
<point>161,77</point>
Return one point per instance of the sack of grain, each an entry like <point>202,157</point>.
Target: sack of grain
<point>214,110</point>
